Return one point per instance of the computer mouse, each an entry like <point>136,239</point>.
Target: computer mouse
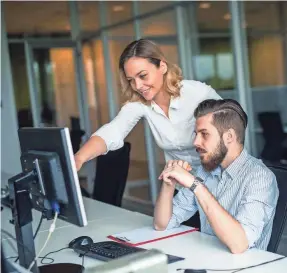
<point>80,241</point>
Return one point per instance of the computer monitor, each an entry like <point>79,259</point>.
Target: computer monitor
<point>52,148</point>
<point>48,181</point>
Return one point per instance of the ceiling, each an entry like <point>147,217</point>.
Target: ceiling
<point>45,17</point>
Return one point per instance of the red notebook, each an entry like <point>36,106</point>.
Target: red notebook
<point>148,234</point>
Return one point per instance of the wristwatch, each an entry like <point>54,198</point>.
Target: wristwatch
<point>195,183</point>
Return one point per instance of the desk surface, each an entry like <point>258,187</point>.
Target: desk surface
<point>200,250</point>
<point>94,210</point>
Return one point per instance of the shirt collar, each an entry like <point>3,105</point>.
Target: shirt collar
<point>216,172</point>
<point>237,164</point>
<point>203,174</point>
<point>174,103</point>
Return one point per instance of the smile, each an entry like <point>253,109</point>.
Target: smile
<point>143,92</point>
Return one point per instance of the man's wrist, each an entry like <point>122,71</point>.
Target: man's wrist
<point>196,182</point>
<point>190,182</point>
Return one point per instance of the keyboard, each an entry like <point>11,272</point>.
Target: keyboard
<point>109,250</point>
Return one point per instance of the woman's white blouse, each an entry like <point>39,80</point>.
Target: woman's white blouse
<point>175,134</point>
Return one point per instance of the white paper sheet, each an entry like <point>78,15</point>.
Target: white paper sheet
<point>147,234</point>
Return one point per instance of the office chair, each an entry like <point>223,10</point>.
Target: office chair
<point>111,175</point>
<point>76,133</point>
<point>76,139</point>
<point>75,123</point>
<point>274,137</point>
<point>25,118</point>
<point>281,209</point>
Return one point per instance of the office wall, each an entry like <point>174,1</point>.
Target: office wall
<point>10,152</point>
<point>266,61</point>
<point>64,85</point>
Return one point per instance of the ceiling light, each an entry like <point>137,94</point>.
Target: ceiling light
<point>204,5</point>
<point>227,16</point>
<point>118,8</point>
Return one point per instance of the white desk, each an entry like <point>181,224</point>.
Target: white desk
<point>200,250</point>
<point>94,210</point>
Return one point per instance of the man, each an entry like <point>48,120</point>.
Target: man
<point>235,193</point>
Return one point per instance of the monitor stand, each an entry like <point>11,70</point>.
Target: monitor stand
<point>21,205</point>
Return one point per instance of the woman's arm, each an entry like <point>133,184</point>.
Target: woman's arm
<point>94,147</point>
<point>110,136</point>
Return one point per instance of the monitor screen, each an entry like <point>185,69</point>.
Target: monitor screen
<point>48,152</point>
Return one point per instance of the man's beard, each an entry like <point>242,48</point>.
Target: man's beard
<point>216,158</point>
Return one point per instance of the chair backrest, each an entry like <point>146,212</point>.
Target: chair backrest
<point>111,175</point>
<point>76,138</point>
<point>281,209</point>
<point>25,118</point>
<point>272,126</point>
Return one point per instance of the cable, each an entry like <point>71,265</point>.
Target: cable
<point>52,228</point>
<point>52,260</point>
<point>12,237</point>
<point>39,225</point>
<point>237,269</point>
<point>83,257</point>
<point>259,264</point>
<point>45,257</point>
<point>37,230</point>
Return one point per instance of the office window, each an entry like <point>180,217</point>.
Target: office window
<point>257,12</point>
<point>266,60</point>
<point>265,42</point>
<point>208,25</point>
<point>37,18</point>
<point>214,63</point>
<point>211,16</point>
<point>162,24</point>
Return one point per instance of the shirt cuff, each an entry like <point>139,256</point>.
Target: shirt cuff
<point>173,223</point>
<point>109,139</point>
<point>250,235</point>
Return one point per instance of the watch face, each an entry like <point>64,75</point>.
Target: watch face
<point>197,181</point>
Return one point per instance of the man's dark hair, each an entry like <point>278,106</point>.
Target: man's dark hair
<point>226,114</point>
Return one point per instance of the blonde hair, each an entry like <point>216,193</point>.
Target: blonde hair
<point>147,49</point>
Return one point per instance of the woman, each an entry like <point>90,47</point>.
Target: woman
<point>155,91</point>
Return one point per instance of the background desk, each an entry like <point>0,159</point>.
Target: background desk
<point>200,250</point>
